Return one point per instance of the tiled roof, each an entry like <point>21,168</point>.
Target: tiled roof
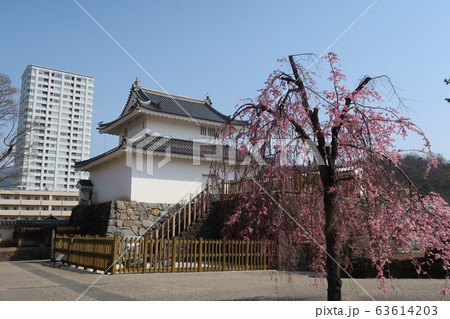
<point>85,182</point>
<point>182,106</point>
<point>165,144</point>
<point>167,103</point>
<point>174,145</point>
<point>93,159</point>
<point>48,221</point>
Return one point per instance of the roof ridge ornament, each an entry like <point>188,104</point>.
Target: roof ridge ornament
<point>136,83</point>
<point>208,100</point>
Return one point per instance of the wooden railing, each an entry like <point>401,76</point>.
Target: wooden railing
<point>291,184</point>
<point>141,255</point>
<point>174,224</point>
<point>295,184</point>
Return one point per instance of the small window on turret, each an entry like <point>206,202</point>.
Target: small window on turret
<point>208,131</point>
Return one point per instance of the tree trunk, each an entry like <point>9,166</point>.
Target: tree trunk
<point>333,257</point>
<point>329,179</point>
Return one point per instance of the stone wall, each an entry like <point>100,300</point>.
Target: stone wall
<point>132,218</point>
<point>121,218</point>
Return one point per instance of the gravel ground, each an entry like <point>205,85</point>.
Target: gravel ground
<point>39,280</point>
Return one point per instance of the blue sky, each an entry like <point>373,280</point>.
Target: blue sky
<point>227,48</point>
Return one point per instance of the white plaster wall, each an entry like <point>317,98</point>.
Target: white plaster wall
<point>136,127</point>
<point>169,183</point>
<point>165,126</point>
<point>112,181</point>
<point>181,129</point>
<point>174,128</point>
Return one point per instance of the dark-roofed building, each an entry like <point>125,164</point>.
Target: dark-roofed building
<point>166,146</point>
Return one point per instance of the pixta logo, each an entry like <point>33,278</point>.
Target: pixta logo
<point>147,151</point>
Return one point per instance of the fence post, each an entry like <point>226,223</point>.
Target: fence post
<point>145,253</point>
<point>247,254</point>
<point>191,203</point>
<point>115,249</point>
<point>224,257</point>
<point>174,253</point>
<point>69,257</point>
<point>265,255</point>
<point>173,226</point>
<point>94,247</point>
<point>200,254</point>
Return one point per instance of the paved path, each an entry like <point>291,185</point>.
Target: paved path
<point>38,280</point>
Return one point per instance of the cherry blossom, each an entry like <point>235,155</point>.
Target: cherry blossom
<point>327,192</point>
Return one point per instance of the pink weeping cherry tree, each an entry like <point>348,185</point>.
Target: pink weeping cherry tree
<point>318,176</point>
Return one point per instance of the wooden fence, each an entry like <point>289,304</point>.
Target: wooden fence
<point>85,251</point>
<point>141,255</point>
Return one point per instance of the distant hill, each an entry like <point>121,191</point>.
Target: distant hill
<point>438,179</point>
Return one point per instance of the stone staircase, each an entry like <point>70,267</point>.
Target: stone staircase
<point>183,218</point>
<point>207,226</point>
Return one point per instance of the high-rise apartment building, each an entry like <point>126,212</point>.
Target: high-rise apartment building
<point>58,107</point>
